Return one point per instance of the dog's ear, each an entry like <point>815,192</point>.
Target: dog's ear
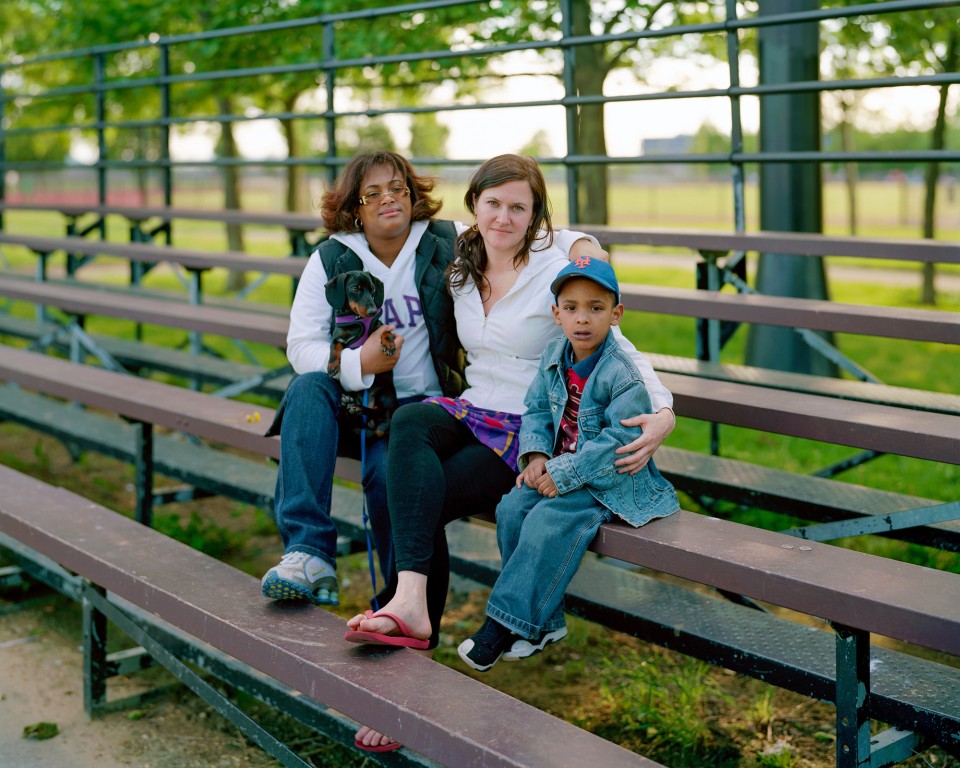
<point>377,290</point>
<point>336,291</point>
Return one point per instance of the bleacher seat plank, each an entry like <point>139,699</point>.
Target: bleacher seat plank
<point>900,600</point>
<point>299,222</point>
<point>154,254</point>
<point>173,313</point>
<point>804,496</point>
<point>792,243</point>
<point>883,428</point>
<point>813,314</point>
<point>844,389</point>
<point>414,698</point>
<point>230,422</point>
<point>215,471</point>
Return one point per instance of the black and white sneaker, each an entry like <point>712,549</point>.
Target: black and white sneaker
<point>485,646</point>
<point>522,649</point>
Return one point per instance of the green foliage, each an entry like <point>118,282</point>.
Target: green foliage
<point>779,755</point>
<point>664,702</point>
<point>197,532</point>
<point>42,458</point>
<point>428,136</point>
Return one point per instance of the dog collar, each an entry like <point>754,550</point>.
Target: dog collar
<point>366,322</point>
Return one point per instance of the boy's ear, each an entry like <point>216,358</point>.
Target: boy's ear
<point>617,315</point>
<point>556,314</point>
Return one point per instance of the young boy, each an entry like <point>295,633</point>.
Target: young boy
<point>568,485</point>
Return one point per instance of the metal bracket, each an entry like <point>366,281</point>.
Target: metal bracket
<point>908,518</point>
<point>95,601</point>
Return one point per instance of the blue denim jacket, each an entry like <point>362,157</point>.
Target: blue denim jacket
<point>614,391</point>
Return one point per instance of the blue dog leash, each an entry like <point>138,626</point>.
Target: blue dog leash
<point>365,516</point>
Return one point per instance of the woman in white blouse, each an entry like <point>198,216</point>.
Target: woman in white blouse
<point>454,457</point>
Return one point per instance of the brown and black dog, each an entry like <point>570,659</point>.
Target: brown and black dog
<point>357,301</point>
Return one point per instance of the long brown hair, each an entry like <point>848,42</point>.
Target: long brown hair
<point>471,261</point>
<point>340,204</point>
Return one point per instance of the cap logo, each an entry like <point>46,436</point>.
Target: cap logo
<point>582,262</point>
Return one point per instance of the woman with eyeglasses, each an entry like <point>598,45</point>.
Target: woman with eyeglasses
<point>379,218</point>
<point>451,456</point>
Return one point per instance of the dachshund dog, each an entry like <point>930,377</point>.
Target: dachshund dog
<point>357,301</point>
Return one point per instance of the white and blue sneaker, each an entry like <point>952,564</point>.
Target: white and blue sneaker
<point>302,576</point>
<point>522,649</point>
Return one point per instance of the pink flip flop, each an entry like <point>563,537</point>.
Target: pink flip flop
<point>403,640</point>
<point>378,748</point>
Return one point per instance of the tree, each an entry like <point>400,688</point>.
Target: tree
<point>910,44</point>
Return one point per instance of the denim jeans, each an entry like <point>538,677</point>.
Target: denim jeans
<point>542,542</point>
<point>310,441</point>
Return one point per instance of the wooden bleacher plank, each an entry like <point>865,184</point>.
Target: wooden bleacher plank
<point>300,647</point>
<point>881,428</point>
<point>791,243</point>
<point>188,258</point>
<point>844,389</point>
<point>173,313</point>
<point>900,600</point>
<point>813,314</point>
<point>293,221</point>
<point>805,496</point>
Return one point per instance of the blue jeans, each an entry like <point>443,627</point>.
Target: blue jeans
<point>542,542</point>
<point>310,441</point>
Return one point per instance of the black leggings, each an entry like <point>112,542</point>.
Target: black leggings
<point>437,471</point>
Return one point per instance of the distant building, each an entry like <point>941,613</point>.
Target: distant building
<point>674,145</point>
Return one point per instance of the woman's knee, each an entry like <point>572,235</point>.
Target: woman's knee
<point>413,421</point>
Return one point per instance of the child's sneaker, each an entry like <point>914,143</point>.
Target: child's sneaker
<point>521,648</point>
<point>302,576</point>
<point>484,647</point>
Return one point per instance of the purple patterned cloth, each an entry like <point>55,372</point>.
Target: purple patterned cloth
<point>498,430</point>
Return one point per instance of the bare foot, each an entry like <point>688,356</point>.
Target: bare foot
<point>371,738</point>
<point>418,627</point>
<point>409,604</point>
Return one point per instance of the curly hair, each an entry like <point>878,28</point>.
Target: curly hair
<point>471,261</point>
<point>340,204</point>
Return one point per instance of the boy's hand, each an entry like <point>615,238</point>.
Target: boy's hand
<point>535,469</point>
<point>547,487</point>
<point>656,427</point>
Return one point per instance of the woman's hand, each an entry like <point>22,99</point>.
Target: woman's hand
<point>656,428</point>
<point>586,247</point>
<point>379,354</point>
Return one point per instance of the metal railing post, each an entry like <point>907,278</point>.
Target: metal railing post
<point>570,113</point>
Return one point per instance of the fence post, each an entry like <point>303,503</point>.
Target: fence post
<point>100,77</point>
<point>330,121</point>
<point>570,112</point>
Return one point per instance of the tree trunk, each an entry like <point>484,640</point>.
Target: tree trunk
<point>231,190</point>
<point>294,172</point>
<point>850,168</point>
<point>928,291</point>
<point>589,73</point>
<point>296,189</point>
